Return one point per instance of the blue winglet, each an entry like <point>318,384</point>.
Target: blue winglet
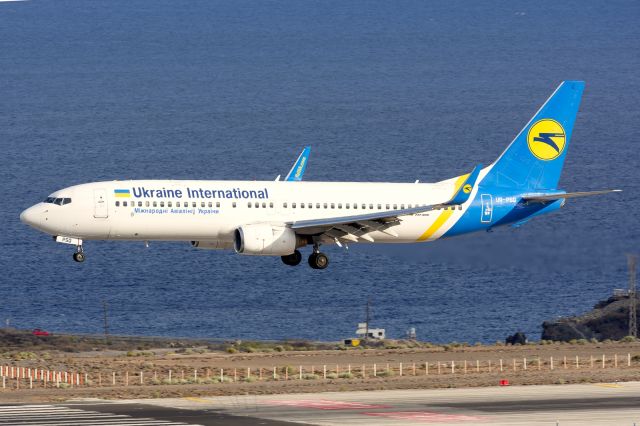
<point>299,167</point>
<point>467,186</point>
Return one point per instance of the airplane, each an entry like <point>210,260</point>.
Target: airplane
<point>299,167</point>
<point>274,218</point>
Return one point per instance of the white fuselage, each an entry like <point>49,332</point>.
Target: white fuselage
<point>179,210</point>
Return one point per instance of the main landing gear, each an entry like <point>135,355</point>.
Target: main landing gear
<point>292,259</point>
<point>317,260</point>
<point>78,256</point>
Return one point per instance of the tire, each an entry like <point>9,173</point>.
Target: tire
<point>78,257</point>
<point>292,259</point>
<point>322,261</point>
<point>318,261</point>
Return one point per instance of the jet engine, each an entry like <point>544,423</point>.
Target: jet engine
<point>266,240</point>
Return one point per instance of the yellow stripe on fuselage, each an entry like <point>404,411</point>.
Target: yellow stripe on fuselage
<point>442,218</point>
<point>123,195</point>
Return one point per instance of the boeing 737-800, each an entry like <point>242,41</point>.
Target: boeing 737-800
<point>276,218</point>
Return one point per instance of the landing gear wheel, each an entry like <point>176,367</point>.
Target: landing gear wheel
<point>318,260</point>
<point>78,256</point>
<point>292,259</point>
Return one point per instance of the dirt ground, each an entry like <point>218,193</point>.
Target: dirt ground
<point>197,374</point>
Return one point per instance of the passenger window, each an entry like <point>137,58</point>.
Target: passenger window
<point>333,206</point>
<point>117,203</point>
<point>233,204</point>
<point>284,205</point>
<point>395,207</point>
<point>302,205</point>
<point>293,205</point>
<point>325,205</point>
<point>169,204</point>
<point>177,203</point>
<point>249,204</point>
<point>217,203</point>
<point>409,206</point>
<point>379,206</point>
<point>210,204</point>
<point>346,205</point>
<point>339,205</point>
<point>139,203</point>
<point>317,205</point>
<point>193,204</point>
<point>310,205</point>
<point>370,206</point>
<point>155,204</point>
<point>402,206</point>
<point>388,207</point>
<point>124,204</point>
<point>161,203</point>
<point>257,204</point>
<point>146,203</point>
<point>270,205</point>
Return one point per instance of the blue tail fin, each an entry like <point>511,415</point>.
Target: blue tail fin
<point>535,158</point>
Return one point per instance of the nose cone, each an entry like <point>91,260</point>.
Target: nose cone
<point>29,216</point>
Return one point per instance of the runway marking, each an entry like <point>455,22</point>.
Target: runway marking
<point>52,415</point>
<point>324,404</point>
<point>426,416</point>
<point>608,385</point>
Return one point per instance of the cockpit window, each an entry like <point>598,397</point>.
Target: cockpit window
<point>57,201</point>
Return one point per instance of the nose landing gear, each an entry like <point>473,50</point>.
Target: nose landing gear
<point>78,256</point>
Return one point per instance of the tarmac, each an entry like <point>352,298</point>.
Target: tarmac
<point>581,404</point>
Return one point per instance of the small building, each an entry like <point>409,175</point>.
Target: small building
<point>371,333</point>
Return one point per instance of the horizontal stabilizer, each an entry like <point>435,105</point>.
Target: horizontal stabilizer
<point>465,189</point>
<point>553,197</point>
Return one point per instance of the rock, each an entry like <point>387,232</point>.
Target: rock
<point>609,319</point>
<point>518,338</point>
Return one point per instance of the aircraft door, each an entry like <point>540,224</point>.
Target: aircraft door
<point>487,208</point>
<point>100,205</point>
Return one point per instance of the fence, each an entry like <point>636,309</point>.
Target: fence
<point>18,377</point>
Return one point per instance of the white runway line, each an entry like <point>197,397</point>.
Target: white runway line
<point>51,415</point>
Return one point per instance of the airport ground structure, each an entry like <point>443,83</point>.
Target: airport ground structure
<point>152,373</point>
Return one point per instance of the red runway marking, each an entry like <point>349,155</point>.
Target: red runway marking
<point>425,416</point>
<point>323,404</point>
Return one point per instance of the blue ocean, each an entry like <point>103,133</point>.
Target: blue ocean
<point>382,91</point>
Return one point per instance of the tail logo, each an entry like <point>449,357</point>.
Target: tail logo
<point>467,189</point>
<point>546,139</point>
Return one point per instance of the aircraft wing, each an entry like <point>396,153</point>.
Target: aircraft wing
<point>299,167</point>
<point>358,226</point>
<point>553,197</point>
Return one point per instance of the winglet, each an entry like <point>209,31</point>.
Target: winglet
<point>297,171</point>
<point>463,193</point>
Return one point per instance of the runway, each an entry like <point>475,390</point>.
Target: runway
<point>593,404</point>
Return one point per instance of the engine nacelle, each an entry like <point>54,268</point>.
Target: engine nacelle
<point>212,245</point>
<point>266,240</point>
